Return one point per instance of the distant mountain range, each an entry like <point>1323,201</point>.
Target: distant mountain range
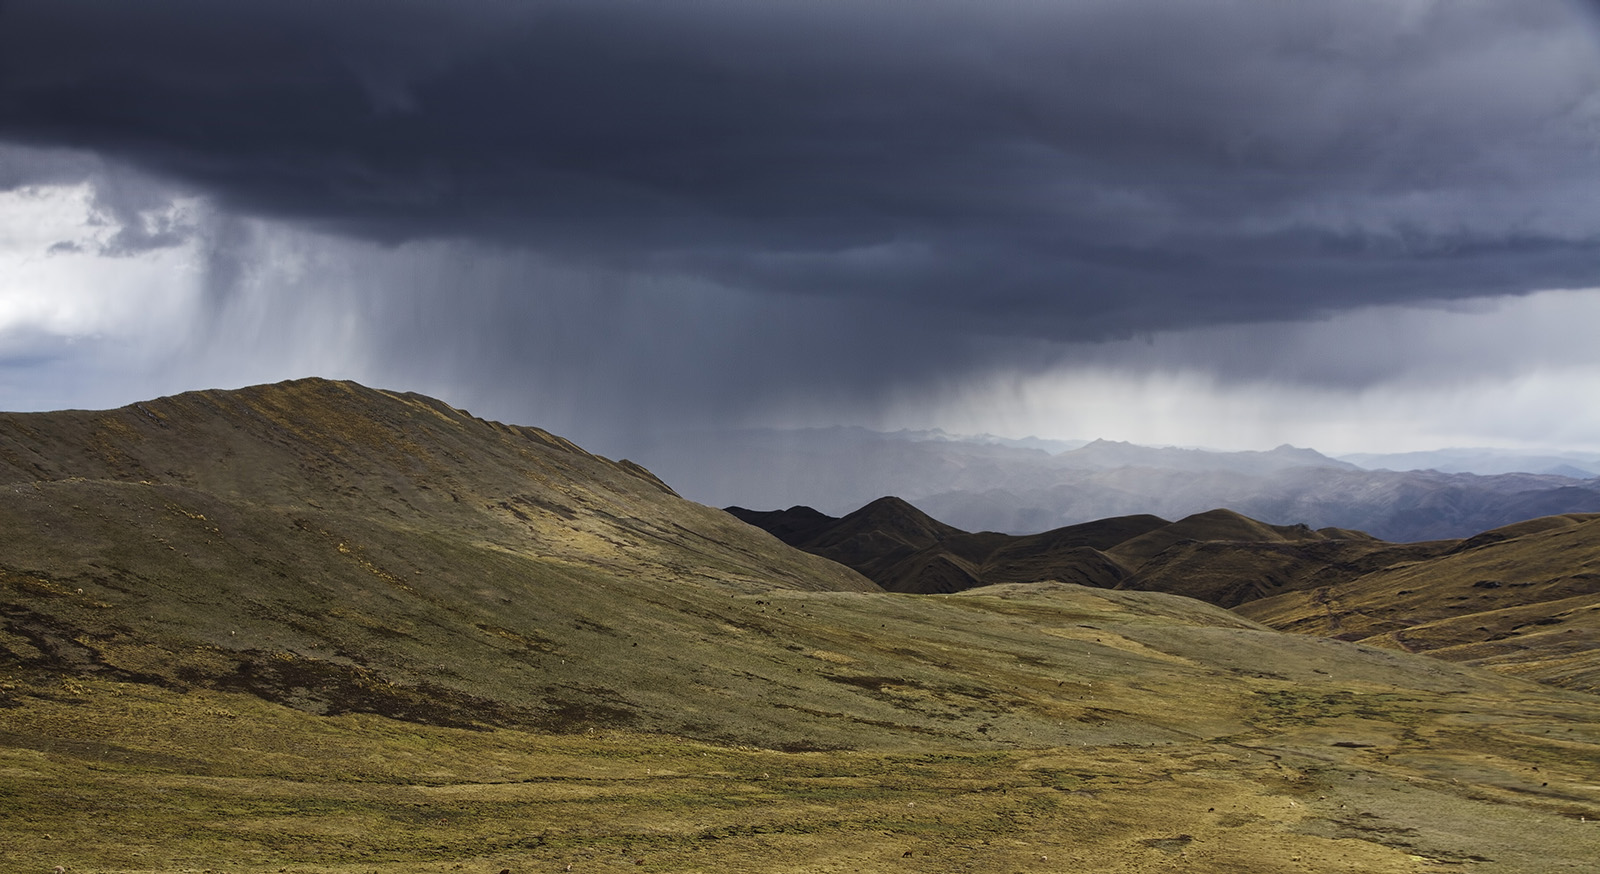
<point>1482,461</point>
<point>986,484</point>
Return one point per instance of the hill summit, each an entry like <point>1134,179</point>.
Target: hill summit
<point>299,540</point>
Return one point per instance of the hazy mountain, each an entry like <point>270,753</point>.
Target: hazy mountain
<point>1113,455</point>
<point>835,470</point>
<point>1482,461</point>
<point>1410,506</point>
<point>939,435</point>
<point>318,627</point>
<point>977,485</point>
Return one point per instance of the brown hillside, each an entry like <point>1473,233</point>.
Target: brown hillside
<point>877,533</point>
<point>1219,556</point>
<point>904,550</point>
<point>319,448</point>
<point>302,540</point>
<point>1523,600</point>
<point>793,526</point>
<point>1074,554</point>
<point>1230,573</point>
<point>1224,525</point>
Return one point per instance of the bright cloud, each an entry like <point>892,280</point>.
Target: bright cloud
<point>1510,372</point>
<point>77,323</point>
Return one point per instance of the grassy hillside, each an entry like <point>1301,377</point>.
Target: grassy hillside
<point>319,628</point>
<point>343,549</point>
<point>1230,573</point>
<point>1522,600</point>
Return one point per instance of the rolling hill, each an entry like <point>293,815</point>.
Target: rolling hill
<point>1218,556</point>
<point>316,627</point>
<point>1523,599</point>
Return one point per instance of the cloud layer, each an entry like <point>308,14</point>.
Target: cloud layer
<point>1058,168</point>
<point>716,207</point>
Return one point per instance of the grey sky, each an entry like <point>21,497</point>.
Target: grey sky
<point>612,216</point>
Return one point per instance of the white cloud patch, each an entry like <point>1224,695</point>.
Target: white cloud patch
<point>75,325</point>
<point>1512,372</point>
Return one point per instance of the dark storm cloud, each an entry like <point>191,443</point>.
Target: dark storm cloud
<point>1064,169</point>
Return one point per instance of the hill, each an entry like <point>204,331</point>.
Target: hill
<point>1522,600</point>
<point>319,627</point>
<point>1219,556</point>
<point>1233,573</point>
<point>905,550</point>
<point>325,530</point>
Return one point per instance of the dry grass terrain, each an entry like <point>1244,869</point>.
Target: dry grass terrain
<point>1522,600</point>
<point>319,628</point>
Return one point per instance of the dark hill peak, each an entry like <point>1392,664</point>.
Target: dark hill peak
<point>889,504</point>
<point>895,518</point>
<point>877,535</point>
<point>794,526</point>
<point>905,550</point>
